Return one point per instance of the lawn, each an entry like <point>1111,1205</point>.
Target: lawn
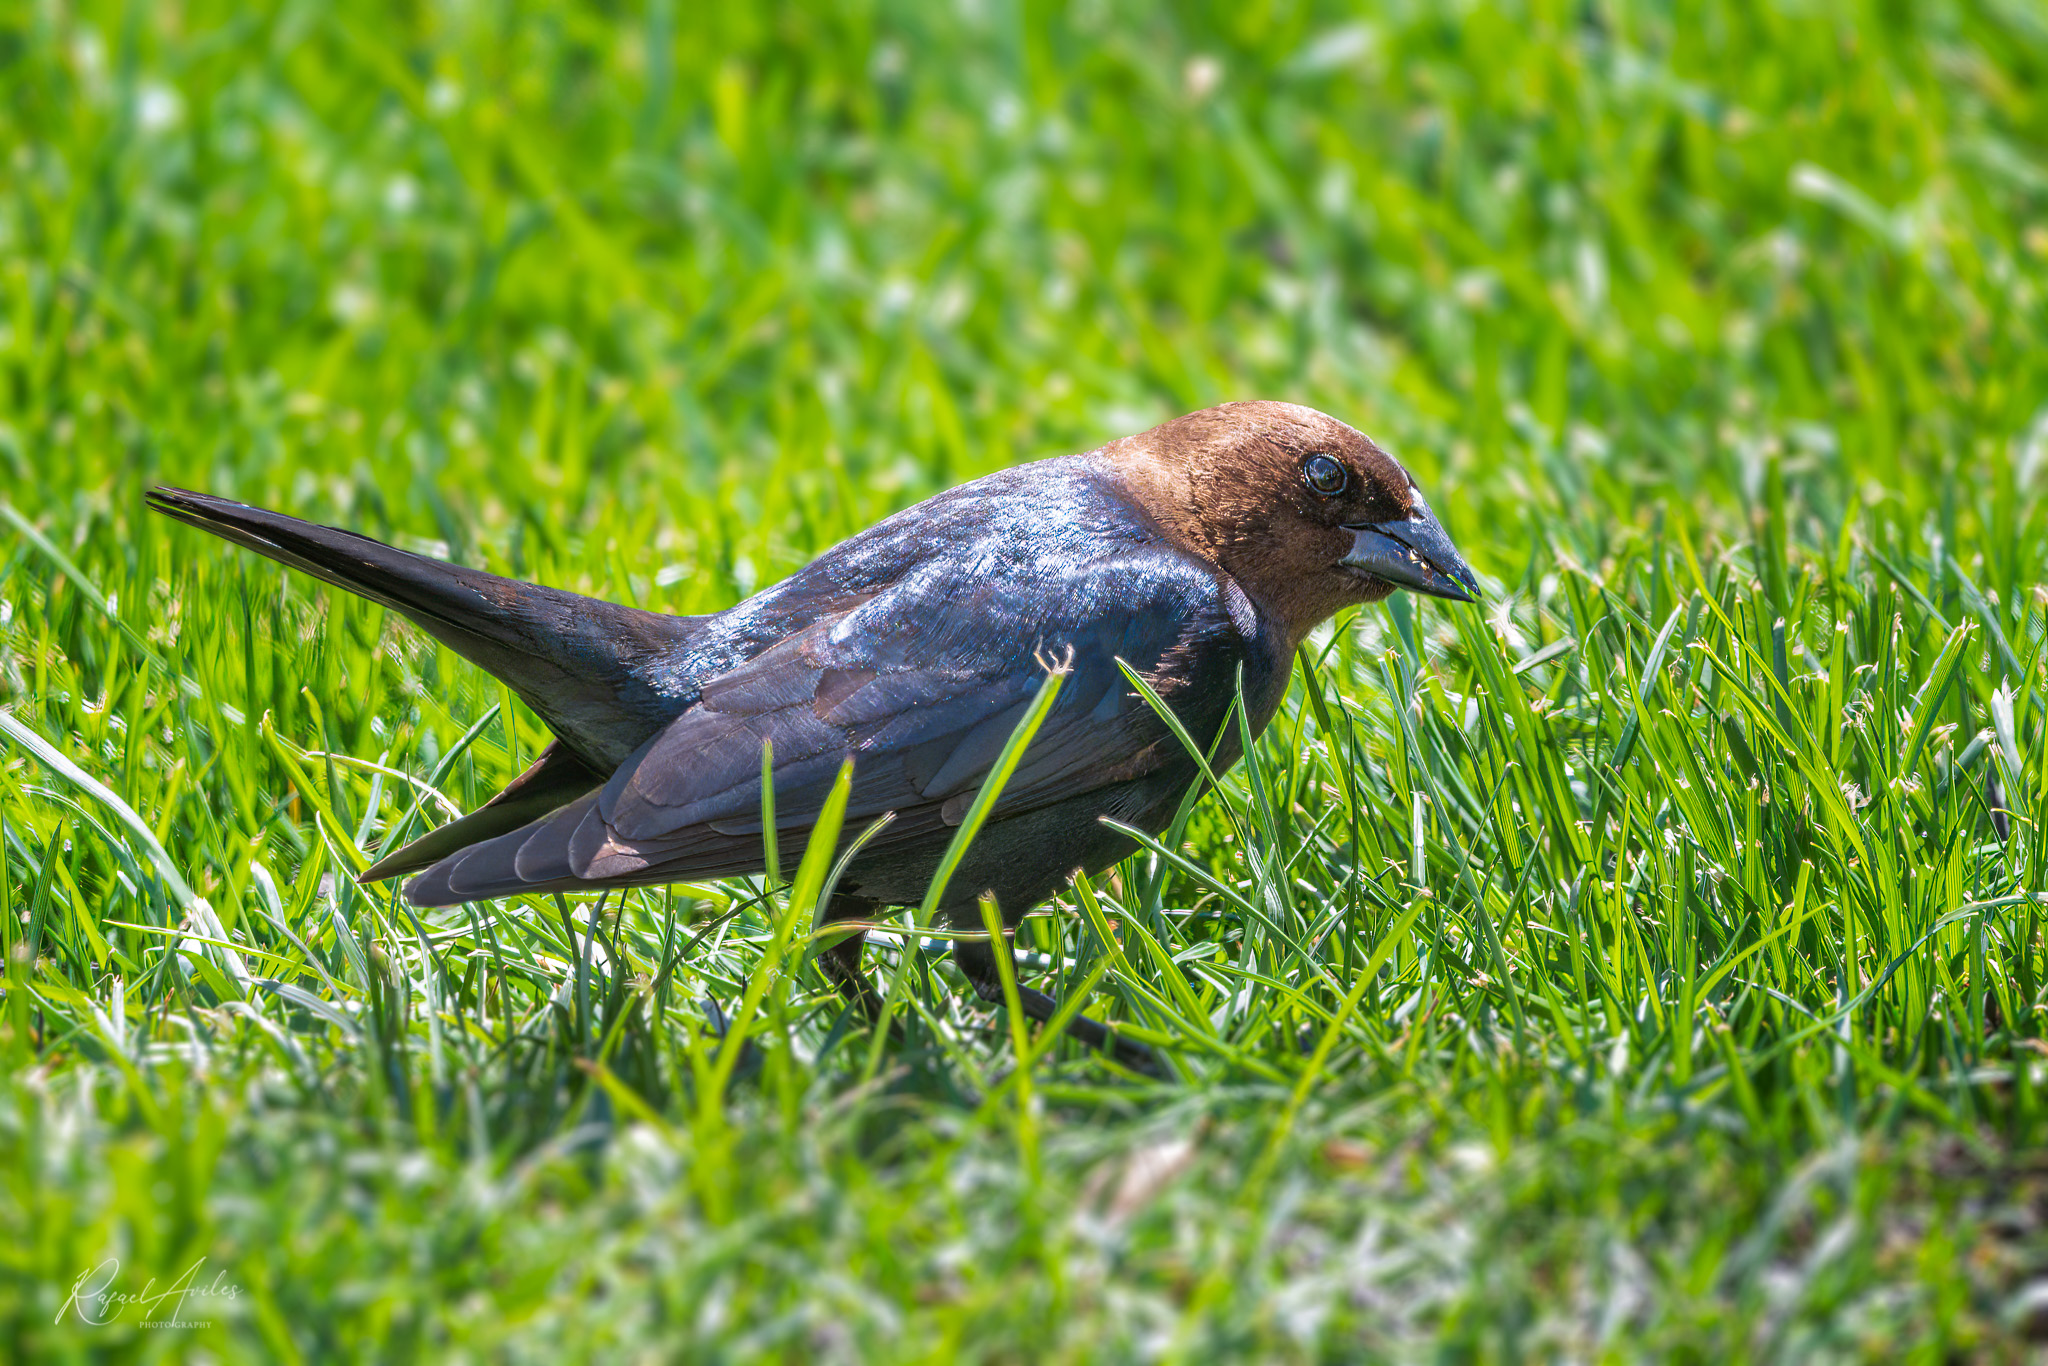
<point>1646,963</point>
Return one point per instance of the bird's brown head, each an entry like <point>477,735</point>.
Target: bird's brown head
<point>1306,513</point>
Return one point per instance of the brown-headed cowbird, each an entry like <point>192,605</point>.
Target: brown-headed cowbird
<point>1200,552</point>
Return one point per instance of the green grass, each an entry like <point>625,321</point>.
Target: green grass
<point>1647,964</point>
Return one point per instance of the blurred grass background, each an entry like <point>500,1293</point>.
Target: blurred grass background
<point>1705,856</point>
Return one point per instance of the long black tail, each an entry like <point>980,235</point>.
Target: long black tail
<point>588,668</point>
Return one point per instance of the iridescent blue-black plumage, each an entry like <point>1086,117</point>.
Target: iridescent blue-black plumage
<point>914,649</point>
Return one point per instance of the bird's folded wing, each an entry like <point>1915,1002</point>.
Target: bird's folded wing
<point>920,686</point>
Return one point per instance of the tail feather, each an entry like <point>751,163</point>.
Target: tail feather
<point>539,857</point>
<point>585,666</point>
<point>557,777</point>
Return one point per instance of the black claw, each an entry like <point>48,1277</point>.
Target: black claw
<point>1089,1032</point>
<point>750,1056</point>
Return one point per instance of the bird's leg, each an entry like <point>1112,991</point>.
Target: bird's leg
<point>977,959</point>
<point>841,962</point>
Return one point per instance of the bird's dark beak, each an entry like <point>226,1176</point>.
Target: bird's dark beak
<point>1413,553</point>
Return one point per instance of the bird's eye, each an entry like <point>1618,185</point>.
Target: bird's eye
<point>1324,475</point>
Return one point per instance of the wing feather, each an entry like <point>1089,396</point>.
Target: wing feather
<point>920,687</point>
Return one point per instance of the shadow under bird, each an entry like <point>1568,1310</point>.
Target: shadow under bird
<point>1203,550</point>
